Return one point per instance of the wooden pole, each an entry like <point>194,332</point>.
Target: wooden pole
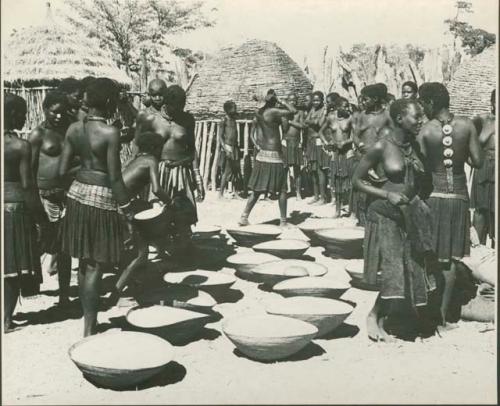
<point>209,154</point>
<point>197,137</point>
<point>203,148</point>
<point>213,176</point>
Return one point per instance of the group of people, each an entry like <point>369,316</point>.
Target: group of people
<point>73,187</point>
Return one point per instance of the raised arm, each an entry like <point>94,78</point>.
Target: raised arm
<point>475,152</point>
<point>114,167</point>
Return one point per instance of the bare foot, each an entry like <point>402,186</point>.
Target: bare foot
<point>313,200</point>
<point>319,202</point>
<point>446,327</point>
<point>53,265</point>
<point>384,336</point>
<point>372,327</point>
<point>243,221</point>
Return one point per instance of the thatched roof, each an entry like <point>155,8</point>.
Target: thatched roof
<point>471,85</point>
<point>239,73</point>
<point>47,53</point>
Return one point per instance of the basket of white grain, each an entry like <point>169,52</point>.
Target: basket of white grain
<point>268,337</point>
<point>173,324</point>
<point>344,243</point>
<point>119,359</point>
<point>311,225</point>
<point>201,231</point>
<point>214,283</point>
<point>355,269</point>
<point>153,223</point>
<point>325,314</point>
<point>308,286</point>
<point>274,272</point>
<point>245,262</point>
<point>248,236</point>
<point>286,249</point>
<point>184,297</point>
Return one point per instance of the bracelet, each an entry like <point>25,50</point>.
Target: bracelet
<point>124,206</point>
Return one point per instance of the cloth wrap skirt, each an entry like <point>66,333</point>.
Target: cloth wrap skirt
<point>54,204</point>
<point>451,218</point>
<point>292,153</point>
<point>396,242</point>
<point>483,189</point>
<point>92,228</point>
<point>341,170</point>
<point>178,182</point>
<point>21,251</point>
<point>269,174</point>
<point>317,157</point>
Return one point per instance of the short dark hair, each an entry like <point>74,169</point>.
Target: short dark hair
<point>320,94</point>
<point>100,91</point>
<point>86,81</point>
<point>412,85</point>
<point>149,142</point>
<point>377,90</point>
<point>70,85</point>
<point>389,97</point>
<point>54,97</point>
<point>334,96</point>
<point>435,92</point>
<point>12,105</point>
<point>400,107</point>
<point>175,95</point>
<point>228,104</point>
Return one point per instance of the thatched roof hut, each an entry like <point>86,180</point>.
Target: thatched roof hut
<point>471,85</point>
<point>45,54</point>
<point>240,73</point>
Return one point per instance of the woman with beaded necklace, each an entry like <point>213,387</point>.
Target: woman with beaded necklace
<point>398,223</point>
<point>448,142</point>
<point>92,229</point>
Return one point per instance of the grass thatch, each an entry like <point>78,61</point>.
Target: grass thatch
<point>45,54</point>
<point>239,73</point>
<point>471,85</point>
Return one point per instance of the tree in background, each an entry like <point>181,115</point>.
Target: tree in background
<point>140,32</point>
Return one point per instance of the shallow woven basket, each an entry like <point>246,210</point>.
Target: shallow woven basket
<point>202,232</point>
<point>245,270</point>
<point>325,314</point>
<point>256,345</point>
<point>310,286</point>
<point>311,225</point>
<point>123,378</point>
<point>250,235</point>
<point>286,249</point>
<point>275,272</point>
<point>173,331</point>
<point>355,269</point>
<point>214,284</point>
<point>338,244</point>
<point>180,296</point>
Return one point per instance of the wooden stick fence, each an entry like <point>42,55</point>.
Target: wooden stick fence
<point>208,146</point>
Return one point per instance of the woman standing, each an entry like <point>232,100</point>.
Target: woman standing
<point>92,229</point>
<point>47,141</point>
<point>22,207</point>
<point>398,222</point>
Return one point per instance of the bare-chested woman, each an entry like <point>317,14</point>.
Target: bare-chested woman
<point>47,141</point>
<point>398,223</point>
<point>92,229</point>
<point>483,180</point>
<point>448,142</point>
<point>409,90</point>
<point>317,158</point>
<point>293,153</point>
<point>339,122</point>
<point>73,90</point>
<point>21,208</point>
<point>269,173</point>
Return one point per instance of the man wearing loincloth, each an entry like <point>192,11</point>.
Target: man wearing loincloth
<point>448,142</point>
<point>483,180</point>
<point>339,122</point>
<point>230,153</point>
<point>269,172</point>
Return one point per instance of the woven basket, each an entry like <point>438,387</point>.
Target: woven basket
<point>325,314</point>
<point>202,232</point>
<point>286,249</point>
<point>355,269</point>
<point>250,235</point>
<point>244,263</point>
<point>311,225</point>
<point>123,343</point>
<point>275,272</point>
<point>211,282</point>
<point>342,243</point>
<point>310,286</point>
<point>286,336</point>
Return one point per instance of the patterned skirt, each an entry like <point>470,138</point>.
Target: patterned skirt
<point>341,172</point>
<point>316,155</point>
<point>292,154</point>
<point>54,204</point>
<point>92,228</point>
<point>269,174</point>
<point>450,211</point>
<point>179,183</point>
<point>483,186</point>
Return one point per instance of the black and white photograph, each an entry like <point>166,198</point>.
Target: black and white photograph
<point>249,202</point>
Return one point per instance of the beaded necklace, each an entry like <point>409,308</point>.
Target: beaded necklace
<point>96,118</point>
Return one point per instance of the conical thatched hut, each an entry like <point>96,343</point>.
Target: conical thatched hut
<point>37,58</point>
<point>239,73</point>
<point>471,85</point>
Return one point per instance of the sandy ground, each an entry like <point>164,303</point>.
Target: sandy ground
<point>459,367</point>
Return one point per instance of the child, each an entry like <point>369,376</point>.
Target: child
<point>230,159</point>
<point>140,174</point>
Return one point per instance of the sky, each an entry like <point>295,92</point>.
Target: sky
<point>304,27</point>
